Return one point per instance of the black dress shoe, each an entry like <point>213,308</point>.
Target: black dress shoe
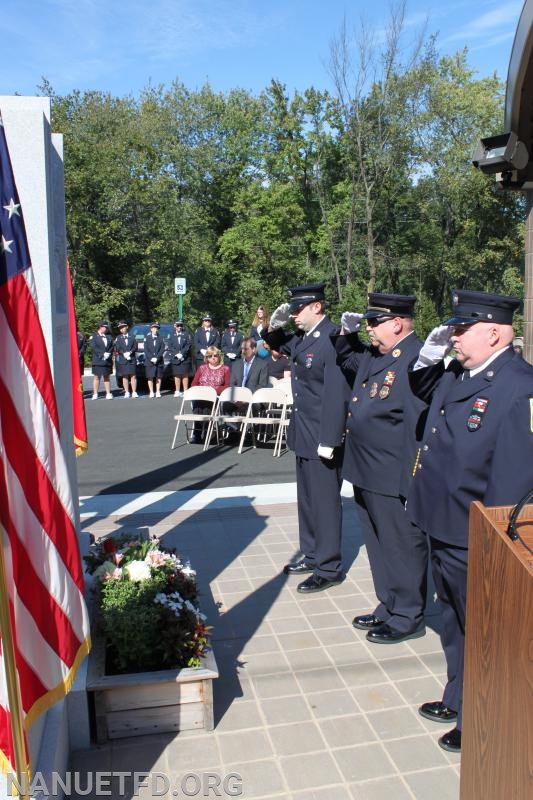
<point>315,583</point>
<point>384,634</point>
<point>451,741</point>
<point>366,622</point>
<point>437,712</point>
<point>298,568</point>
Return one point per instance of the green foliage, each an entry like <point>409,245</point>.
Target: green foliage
<point>146,606</point>
<point>369,187</point>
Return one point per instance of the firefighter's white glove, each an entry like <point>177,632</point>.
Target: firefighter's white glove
<point>281,316</point>
<point>351,321</point>
<point>325,452</point>
<point>436,347</point>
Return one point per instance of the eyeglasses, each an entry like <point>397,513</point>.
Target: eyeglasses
<point>375,321</point>
<point>213,356</point>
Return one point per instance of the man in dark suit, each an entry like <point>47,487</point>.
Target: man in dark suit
<point>478,445</point>
<point>206,336</point>
<point>316,432</point>
<point>380,449</point>
<point>249,370</point>
<point>230,344</point>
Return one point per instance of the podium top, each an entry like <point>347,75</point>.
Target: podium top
<point>499,517</point>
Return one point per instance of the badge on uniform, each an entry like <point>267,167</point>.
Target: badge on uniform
<point>476,415</point>
<point>396,352</point>
<point>374,390</point>
<point>316,334</point>
<point>387,383</point>
<point>308,360</point>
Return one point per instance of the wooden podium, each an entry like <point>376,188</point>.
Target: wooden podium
<point>497,745</point>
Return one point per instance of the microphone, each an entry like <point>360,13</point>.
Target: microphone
<point>512,533</point>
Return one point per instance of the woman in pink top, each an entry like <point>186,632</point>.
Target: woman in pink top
<point>212,373</point>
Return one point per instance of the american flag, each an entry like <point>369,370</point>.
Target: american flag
<point>44,576</point>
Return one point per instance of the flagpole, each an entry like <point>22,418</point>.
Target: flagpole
<point>12,682</point>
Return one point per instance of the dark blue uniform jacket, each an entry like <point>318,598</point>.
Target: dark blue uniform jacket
<point>154,348</point>
<point>125,345</point>
<point>99,346</point>
<point>478,443</point>
<point>384,417</point>
<point>182,346</point>
<point>320,390</point>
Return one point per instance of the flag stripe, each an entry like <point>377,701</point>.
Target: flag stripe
<point>49,579</point>
<point>32,593</point>
<point>31,411</point>
<point>42,499</point>
<point>18,305</point>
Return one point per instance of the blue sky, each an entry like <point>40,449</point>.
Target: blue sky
<point>122,46</point>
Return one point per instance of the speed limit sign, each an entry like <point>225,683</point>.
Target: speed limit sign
<point>180,286</point>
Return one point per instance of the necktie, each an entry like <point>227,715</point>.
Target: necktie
<point>246,370</point>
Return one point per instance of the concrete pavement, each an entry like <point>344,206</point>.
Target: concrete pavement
<point>305,708</point>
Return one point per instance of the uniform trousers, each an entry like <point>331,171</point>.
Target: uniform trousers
<point>398,553</point>
<point>318,486</point>
<point>449,567</point>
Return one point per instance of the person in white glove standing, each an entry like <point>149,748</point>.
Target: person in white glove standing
<point>205,336</point>
<point>154,347</point>
<point>380,450</point>
<point>179,346</point>
<point>101,343</point>
<point>125,362</point>
<point>478,445</point>
<point>230,344</point>
<point>316,432</point>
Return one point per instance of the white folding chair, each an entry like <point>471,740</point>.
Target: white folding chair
<point>186,414</point>
<point>272,402</point>
<point>283,423</point>
<point>285,385</point>
<point>233,394</point>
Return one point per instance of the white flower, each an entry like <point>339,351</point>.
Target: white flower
<point>138,571</point>
<point>104,571</point>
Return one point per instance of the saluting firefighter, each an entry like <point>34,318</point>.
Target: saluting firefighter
<point>381,430</point>
<point>101,343</point>
<point>125,361</point>
<point>179,345</point>
<point>316,432</point>
<point>478,445</point>
<point>154,347</point>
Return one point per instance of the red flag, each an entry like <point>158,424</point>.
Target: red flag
<point>44,588</point>
<point>78,407</point>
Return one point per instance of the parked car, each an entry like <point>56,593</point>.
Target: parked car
<point>140,331</point>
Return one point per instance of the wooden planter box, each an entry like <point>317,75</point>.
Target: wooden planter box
<point>139,703</point>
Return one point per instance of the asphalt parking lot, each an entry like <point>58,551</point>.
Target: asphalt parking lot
<point>129,451</point>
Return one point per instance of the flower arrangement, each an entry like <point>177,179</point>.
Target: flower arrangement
<point>146,606</point>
